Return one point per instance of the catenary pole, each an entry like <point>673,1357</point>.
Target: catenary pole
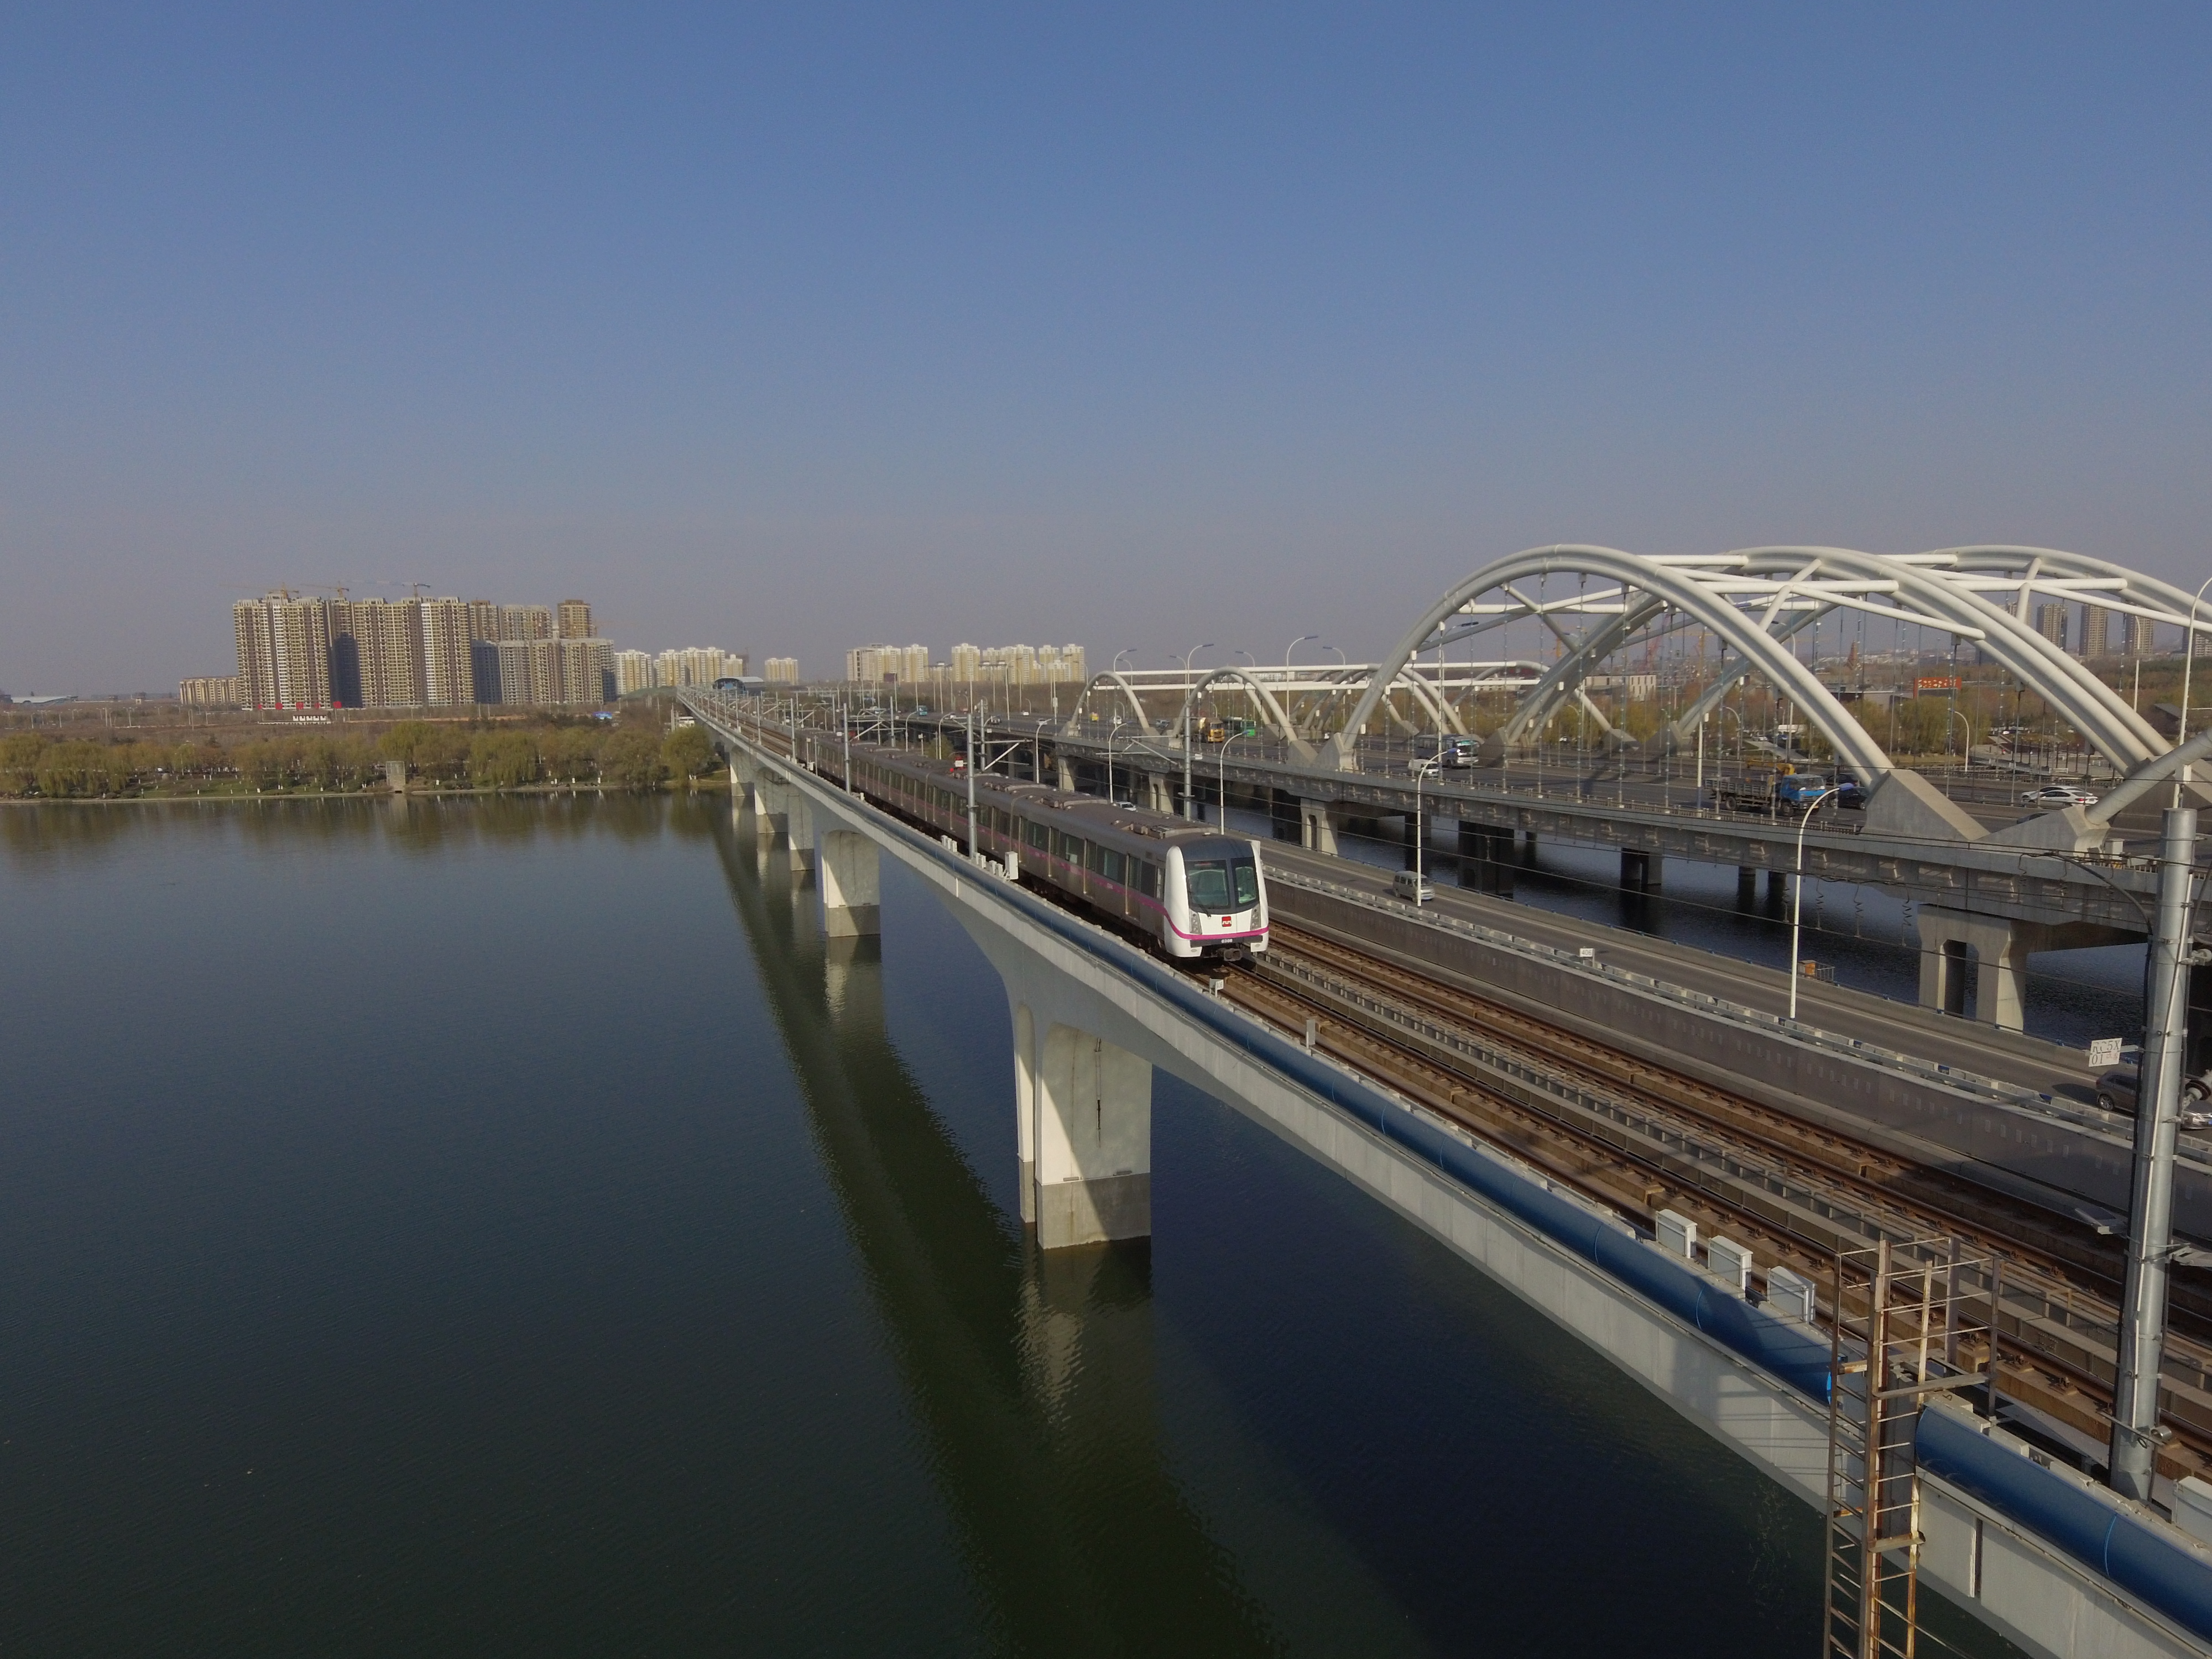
<point>2135,1433</point>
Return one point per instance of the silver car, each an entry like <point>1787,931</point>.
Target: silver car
<point>2058,795</point>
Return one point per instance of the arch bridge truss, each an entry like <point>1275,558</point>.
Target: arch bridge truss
<point>1302,706</point>
<point>1755,600</point>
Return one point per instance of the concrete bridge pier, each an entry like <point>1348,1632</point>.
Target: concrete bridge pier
<point>797,829</point>
<point>1639,869</point>
<point>1994,950</point>
<point>1066,775</point>
<point>1159,793</point>
<point>1486,859</point>
<point>1318,823</point>
<point>1091,1149</point>
<point>1746,886</point>
<point>850,875</point>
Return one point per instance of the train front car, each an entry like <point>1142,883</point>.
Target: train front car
<point>1217,899</point>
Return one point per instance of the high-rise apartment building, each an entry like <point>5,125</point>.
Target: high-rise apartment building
<point>695,666</point>
<point>2051,622</point>
<point>633,672</point>
<point>572,620</point>
<point>2138,636</point>
<point>212,691</point>
<point>448,671</point>
<point>2096,632</point>
<point>413,653</point>
<point>586,671</point>
<point>780,671</point>
<point>284,650</point>
<point>378,654</point>
<point>965,664</point>
<point>877,664</point>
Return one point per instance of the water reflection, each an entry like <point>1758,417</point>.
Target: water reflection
<point>1031,1377</point>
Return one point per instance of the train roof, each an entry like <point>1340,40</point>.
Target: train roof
<point>1138,821</point>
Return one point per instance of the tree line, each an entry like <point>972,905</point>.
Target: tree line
<point>636,758</point>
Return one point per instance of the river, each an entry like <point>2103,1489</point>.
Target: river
<point>507,1226</point>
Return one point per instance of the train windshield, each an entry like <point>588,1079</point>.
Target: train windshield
<point>1230,884</point>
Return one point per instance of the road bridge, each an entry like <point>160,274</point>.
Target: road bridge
<point>1990,883</point>
<point>2045,1555</point>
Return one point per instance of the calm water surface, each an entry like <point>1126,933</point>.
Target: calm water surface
<point>505,1227</point>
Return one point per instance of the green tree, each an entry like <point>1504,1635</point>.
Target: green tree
<point>503,760</point>
<point>81,770</point>
<point>20,753</point>
<point>570,753</point>
<point>631,760</point>
<point>688,751</point>
<point>262,765</point>
<point>404,741</point>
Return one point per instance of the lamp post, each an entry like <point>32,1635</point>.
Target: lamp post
<point>1225,742</point>
<point>1421,770</point>
<point>1797,891</point>
<point>1036,750</point>
<point>1294,645</point>
<point>1187,803</point>
<point>1110,731</point>
<point>2188,662</point>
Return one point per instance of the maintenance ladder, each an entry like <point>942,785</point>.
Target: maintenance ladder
<point>1910,1318</point>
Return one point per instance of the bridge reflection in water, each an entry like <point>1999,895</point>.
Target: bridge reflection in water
<point>1031,1375</point>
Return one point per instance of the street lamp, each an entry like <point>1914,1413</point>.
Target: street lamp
<point>1421,768</point>
<point>1225,742</point>
<point>1110,731</point>
<point>1294,645</point>
<point>1036,750</point>
<point>1797,891</point>
<point>1128,651</point>
<point>1187,802</point>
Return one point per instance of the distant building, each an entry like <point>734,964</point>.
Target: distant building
<point>284,650</point>
<point>2051,622</point>
<point>572,620</point>
<point>448,672</point>
<point>1637,688</point>
<point>695,666</point>
<point>2138,636</point>
<point>633,672</point>
<point>880,665</point>
<point>780,671</point>
<point>2096,632</point>
<point>525,622</point>
<point>212,691</point>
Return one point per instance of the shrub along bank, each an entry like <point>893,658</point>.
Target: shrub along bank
<point>634,756</point>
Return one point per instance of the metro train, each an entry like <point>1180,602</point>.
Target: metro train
<point>1193,891</point>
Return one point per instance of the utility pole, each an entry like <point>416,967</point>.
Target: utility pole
<point>975,846</point>
<point>2136,1431</point>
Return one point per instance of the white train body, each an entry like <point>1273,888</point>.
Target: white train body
<point>1195,892</point>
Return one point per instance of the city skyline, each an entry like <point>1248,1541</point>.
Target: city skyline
<point>792,332</point>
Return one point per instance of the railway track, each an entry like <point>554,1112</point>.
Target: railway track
<point>1637,1138</point>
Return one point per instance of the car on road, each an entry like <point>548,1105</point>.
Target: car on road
<point>2056,796</point>
<point>1457,755</point>
<point>1412,887</point>
<point>2117,1090</point>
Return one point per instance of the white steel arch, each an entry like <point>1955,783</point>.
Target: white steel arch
<point>1260,695</point>
<point>1755,598</point>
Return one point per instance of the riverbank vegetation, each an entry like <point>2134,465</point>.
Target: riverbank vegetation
<point>633,753</point>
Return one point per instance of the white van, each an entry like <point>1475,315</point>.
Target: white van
<point>1412,887</point>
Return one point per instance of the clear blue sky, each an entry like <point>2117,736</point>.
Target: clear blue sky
<point>784,328</point>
